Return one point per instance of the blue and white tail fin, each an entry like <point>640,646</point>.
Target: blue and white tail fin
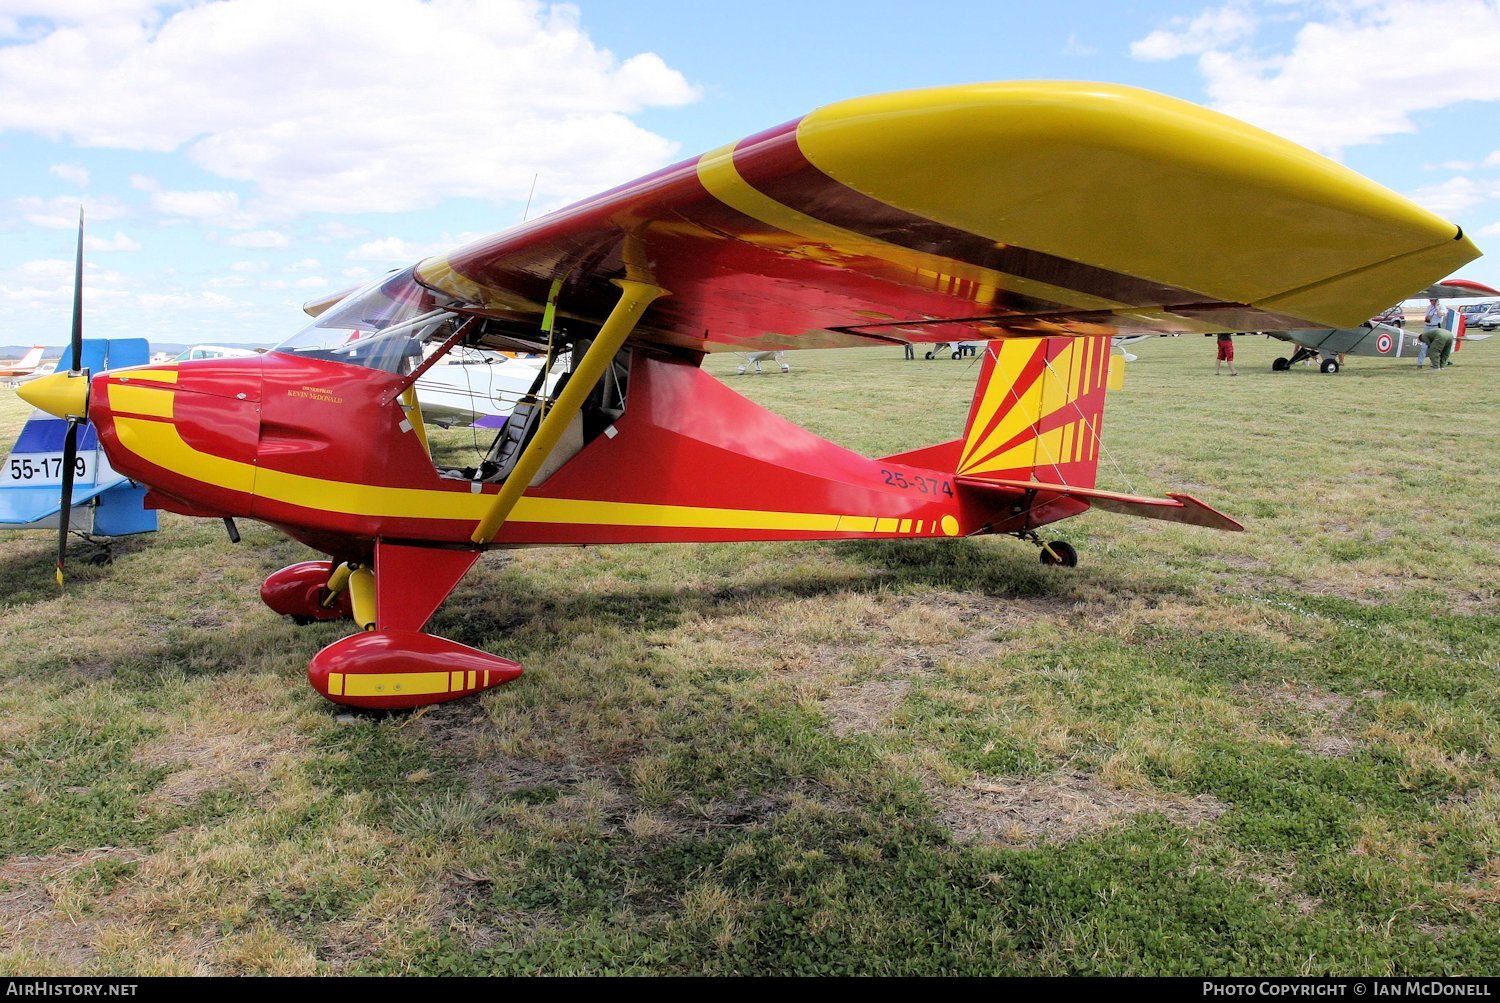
<point>104,503</point>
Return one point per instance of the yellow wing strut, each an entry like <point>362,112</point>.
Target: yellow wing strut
<point>635,296</point>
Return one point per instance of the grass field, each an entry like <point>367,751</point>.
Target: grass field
<point>1268,752</point>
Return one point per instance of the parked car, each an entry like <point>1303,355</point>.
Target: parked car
<point>1481,316</point>
<point>1486,316</point>
<point>1395,316</point>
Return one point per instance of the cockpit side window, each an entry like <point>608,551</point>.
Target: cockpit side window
<point>381,326</point>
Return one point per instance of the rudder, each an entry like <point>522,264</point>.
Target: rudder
<point>1038,411</point>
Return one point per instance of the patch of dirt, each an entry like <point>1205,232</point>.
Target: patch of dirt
<point>1328,734</point>
<point>29,916</point>
<point>466,909</point>
<point>463,732</point>
<point>1331,746</point>
<point>213,761</point>
<point>1056,809</point>
<point>864,708</point>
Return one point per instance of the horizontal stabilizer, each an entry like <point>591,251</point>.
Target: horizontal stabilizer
<point>32,508</point>
<point>1173,508</point>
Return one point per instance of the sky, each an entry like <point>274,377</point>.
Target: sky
<point>238,158</point>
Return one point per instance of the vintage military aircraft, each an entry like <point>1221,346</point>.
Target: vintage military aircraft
<point>1025,215</point>
<point>1385,341</point>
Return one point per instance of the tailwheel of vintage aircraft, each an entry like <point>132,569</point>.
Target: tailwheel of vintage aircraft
<point>404,670</point>
<point>302,592</point>
<point>1330,365</point>
<point>1281,365</point>
<point>1059,553</point>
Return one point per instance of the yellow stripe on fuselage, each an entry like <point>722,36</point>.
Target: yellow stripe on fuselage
<point>131,399</point>
<point>159,443</point>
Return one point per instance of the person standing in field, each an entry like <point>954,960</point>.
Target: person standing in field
<point>1432,322</point>
<point>1226,353</point>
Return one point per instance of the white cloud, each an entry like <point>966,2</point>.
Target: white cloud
<point>73,174</point>
<point>1212,29</point>
<point>336,230</point>
<point>61,213</point>
<point>260,239</point>
<point>400,251</point>
<point>305,265</point>
<point>217,207</point>
<point>119,242</point>
<point>42,290</point>
<point>1076,47</point>
<point>1493,160</point>
<point>1493,230</point>
<point>311,282</point>
<point>1355,72</point>
<point>418,101</point>
<point>1455,195</point>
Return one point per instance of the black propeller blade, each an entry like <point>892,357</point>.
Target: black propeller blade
<point>70,441</point>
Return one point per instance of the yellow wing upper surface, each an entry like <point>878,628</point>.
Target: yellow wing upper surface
<point>986,210</point>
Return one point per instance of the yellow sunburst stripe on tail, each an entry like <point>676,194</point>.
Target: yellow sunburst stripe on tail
<point>1046,448</point>
<point>1016,413</point>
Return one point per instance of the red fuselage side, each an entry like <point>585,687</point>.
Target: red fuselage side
<point>320,450</point>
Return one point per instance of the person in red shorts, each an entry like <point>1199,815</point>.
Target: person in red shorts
<point>1226,353</point>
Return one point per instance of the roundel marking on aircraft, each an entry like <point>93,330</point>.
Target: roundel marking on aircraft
<point>1383,344</point>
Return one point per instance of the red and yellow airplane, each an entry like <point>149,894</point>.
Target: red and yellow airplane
<point>1043,218</point>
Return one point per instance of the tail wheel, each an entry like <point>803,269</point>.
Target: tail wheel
<point>1281,365</point>
<point>1330,365</point>
<point>1060,553</point>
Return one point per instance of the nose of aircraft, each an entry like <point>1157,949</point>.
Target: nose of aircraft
<point>65,395</point>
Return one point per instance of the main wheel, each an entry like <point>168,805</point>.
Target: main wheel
<point>1281,365</point>
<point>1330,365</point>
<point>928,356</point>
<point>1060,553</point>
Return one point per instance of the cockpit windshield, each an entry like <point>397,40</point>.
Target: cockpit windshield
<point>381,326</point>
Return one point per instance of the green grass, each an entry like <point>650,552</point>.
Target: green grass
<point>1196,753</point>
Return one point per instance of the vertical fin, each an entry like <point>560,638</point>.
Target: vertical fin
<point>1038,411</point>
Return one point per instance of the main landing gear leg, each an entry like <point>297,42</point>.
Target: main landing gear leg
<point>1058,553</point>
<point>1300,355</point>
<point>391,664</point>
